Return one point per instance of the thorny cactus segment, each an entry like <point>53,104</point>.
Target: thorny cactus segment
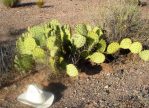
<point>78,40</point>
<point>38,53</point>
<point>126,43</point>
<point>26,45</point>
<point>51,42</point>
<point>23,63</point>
<point>71,70</point>
<point>144,55</point>
<point>136,47</point>
<point>97,57</point>
<point>102,45</point>
<point>81,29</point>
<point>113,47</point>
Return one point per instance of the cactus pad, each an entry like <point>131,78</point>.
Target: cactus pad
<point>81,29</point>
<point>144,55</point>
<point>97,57</point>
<point>102,45</point>
<point>71,70</point>
<point>113,47</point>
<point>126,43</point>
<point>51,42</point>
<point>78,40</point>
<point>38,53</point>
<point>136,47</point>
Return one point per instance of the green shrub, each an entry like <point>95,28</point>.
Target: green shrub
<point>9,3</point>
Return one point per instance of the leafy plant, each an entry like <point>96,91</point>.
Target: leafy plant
<point>40,3</point>
<point>9,3</point>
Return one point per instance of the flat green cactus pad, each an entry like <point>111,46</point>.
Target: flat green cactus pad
<point>144,55</point>
<point>79,40</point>
<point>71,70</point>
<point>97,57</point>
<point>136,47</point>
<point>51,41</point>
<point>113,47</point>
<point>81,29</point>
<point>126,43</point>
<point>102,45</point>
<point>38,53</point>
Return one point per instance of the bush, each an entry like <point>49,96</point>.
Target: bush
<point>121,19</point>
<point>9,3</point>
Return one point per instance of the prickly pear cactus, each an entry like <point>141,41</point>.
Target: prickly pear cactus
<point>136,47</point>
<point>98,31</point>
<point>71,70</point>
<point>78,40</point>
<point>23,63</point>
<point>97,57</point>
<point>38,53</point>
<point>51,42</point>
<point>54,51</point>
<point>102,46</point>
<point>144,55</point>
<point>81,29</point>
<point>113,47</point>
<point>26,45</point>
<point>126,43</point>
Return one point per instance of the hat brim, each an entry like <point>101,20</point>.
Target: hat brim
<point>49,98</point>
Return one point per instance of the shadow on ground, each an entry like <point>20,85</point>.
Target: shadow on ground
<point>57,89</point>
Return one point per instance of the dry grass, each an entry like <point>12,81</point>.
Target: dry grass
<point>121,19</point>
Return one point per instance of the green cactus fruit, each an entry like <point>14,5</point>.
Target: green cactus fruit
<point>39,54</point>
<point>23,63</point>
<point>29,44</point>
<point>113,47</point>
<point>94,36</point>
<point>144,55</point>
<point>98,31</point>
<point>135,47</point>
<point>102,45</point>
<point>51,42</point>
<point>97,57</point>
<point>78,40</point>
<point>71,70</point>
<point>81,29</point>
<point>125,43</point>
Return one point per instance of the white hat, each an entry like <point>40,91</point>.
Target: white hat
<point>36,98</point>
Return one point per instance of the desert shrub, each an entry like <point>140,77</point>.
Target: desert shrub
<point>121,19</point>
<point>9,3</point>
<point>40,3</point>
<point>7,53</point>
